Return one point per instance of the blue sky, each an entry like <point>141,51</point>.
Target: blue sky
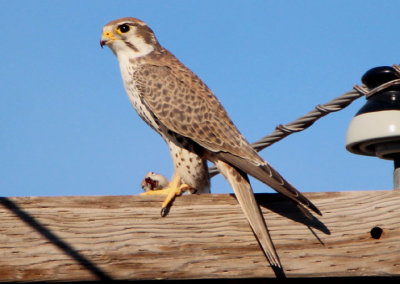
<point>67,127</point>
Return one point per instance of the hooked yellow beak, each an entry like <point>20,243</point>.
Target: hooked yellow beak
<point>106,38</point>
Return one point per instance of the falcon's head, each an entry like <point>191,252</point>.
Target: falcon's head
<point>129,37</point>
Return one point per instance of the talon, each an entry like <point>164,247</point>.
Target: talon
<point>173,189</point>
<point>164,211</point>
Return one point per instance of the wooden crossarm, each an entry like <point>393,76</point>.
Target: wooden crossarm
<point>81,238</point>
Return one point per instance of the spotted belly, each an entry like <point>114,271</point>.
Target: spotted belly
<point>190,166</point>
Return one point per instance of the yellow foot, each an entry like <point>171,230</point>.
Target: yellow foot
<point>174,188</point>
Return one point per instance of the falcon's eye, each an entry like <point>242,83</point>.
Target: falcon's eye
<point>124,28</point>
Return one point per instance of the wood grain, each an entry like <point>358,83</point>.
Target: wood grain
<point>204,236</point>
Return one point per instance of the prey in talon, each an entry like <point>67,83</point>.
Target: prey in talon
<point>154,181</point>
<point>156,184</point>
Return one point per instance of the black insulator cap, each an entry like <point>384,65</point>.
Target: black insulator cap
<point>386,99</point>
<point>378,76</point>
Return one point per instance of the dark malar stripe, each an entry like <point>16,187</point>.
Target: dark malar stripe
<point>131,46</point>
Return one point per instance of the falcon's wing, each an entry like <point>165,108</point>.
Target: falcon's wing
<point>186,106</point>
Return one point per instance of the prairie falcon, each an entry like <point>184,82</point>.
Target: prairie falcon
<point>184,111</point>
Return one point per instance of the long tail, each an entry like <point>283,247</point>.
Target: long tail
<point>269,176</point>
<point>241,186</point>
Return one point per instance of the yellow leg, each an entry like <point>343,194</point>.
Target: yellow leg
<point>174,188</point>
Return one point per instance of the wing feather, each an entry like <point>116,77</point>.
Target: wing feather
<point>270,177</point>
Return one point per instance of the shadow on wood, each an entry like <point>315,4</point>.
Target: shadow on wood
<point>51,237</point>
<point>280,205</point>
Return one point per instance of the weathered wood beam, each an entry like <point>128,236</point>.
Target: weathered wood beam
<point>84,238</point>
